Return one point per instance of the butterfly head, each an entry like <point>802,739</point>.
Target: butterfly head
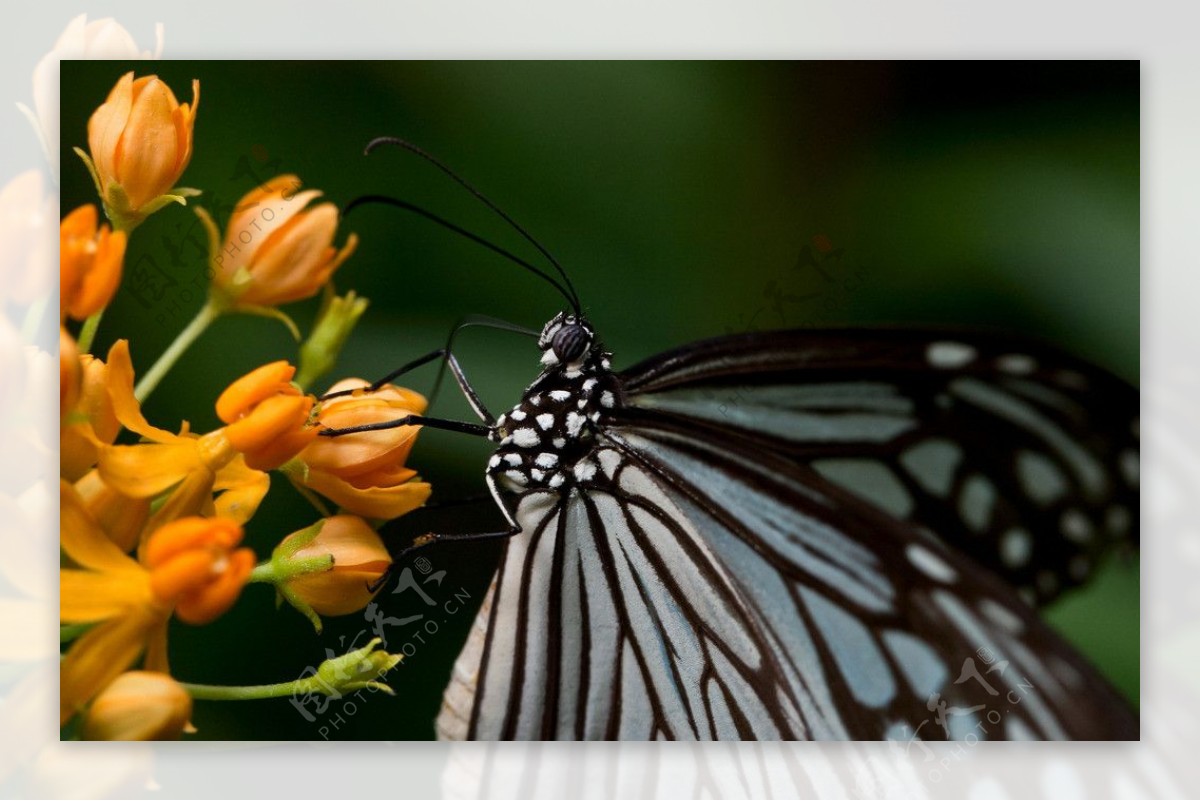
<point>566,340</point>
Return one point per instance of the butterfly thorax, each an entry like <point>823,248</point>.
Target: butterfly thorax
<point>547,439</point>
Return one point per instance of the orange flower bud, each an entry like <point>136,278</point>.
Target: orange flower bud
<point>193,566</point>
<point>364,473</point>
<point>139,705</point>
<point>90,261</point>
<point>141,141</point>
<point>266,416</point>
<point>359,561</point>
<point>277,248</point>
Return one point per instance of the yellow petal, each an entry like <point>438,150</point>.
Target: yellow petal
<point>241,488</point>
<point>85,597</point>
<point>143,471</point>
<point>99,656</point>
<point>120,390</point>
<point>84,542</point>
<point>381,503</point>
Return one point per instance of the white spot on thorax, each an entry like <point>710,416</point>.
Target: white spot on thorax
<point>606,399</point>
<point>547,460</point>
<point>585,470</point>
<point>587,385</point>
<point>546,421</point>
<point>949,355</point>
<point>526,438</point>
<point>517,415</point>
<point>575,422</point>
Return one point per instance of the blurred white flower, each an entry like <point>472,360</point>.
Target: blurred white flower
<point>99,39</point>
<point>28,244</point>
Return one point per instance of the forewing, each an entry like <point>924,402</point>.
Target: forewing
<point>1010,451</point>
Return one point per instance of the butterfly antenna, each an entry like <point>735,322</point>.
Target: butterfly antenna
<point>387,200</point>
<point>572,296</point>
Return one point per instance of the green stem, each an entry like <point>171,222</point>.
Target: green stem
<point>215,692</point>
<point>278,572</point>
<point>70,631</point>
<point>208,312</point>
<point>88,332</point>
<point>312,498</point>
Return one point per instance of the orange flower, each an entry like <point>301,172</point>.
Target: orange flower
<point>358,560</point>
<point>89,261</point>
<point>277,248</point>
<point>91,422</point>
<point>189,566</point>
<point>191,467</point>
<point>69,374</point>
<point>141,141</point>
<point>121,517</point>
<point>365,473</point>
<point>266,416</point>
<point>139,705</point>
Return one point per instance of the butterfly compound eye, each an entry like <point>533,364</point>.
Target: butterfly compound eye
<point>571,342</point>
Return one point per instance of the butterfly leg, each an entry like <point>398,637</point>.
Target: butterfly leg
<point>431,537</point>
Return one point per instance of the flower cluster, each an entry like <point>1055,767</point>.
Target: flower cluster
<point>155,522</point>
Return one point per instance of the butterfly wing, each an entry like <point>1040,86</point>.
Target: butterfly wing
<point>708,584</point>
<point>1013,452</point>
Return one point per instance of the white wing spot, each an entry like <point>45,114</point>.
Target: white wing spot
<point>1017,364</point>
<point>559,443</point>
<point>545,420</point>
<point>1130,467</point>
<point>556,480</point>
<point>975,501</point>
<point>607,400</point>
<point>537,475</point>
<point>1002,617</point>
<point>1076,527</point>
<point>516,476</point>
<point>585,470</point>
<point>948,355</point>
<point>610,460</point>
<point>1016,546</point>
<point>587,385</point>
<point>526,438</point>
<point>536,400</point>
<point>494,461</point>
<point>930,563</point>
<point>560,395</point>
<point>547,460</point>
<point>1040,477</point>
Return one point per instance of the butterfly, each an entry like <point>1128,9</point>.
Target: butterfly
<point>791,535</point>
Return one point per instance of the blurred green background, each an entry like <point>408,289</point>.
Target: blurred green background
<point>681,197</point>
